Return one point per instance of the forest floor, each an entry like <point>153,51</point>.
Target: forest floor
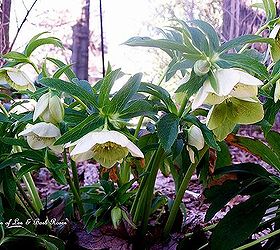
<point>107,238</point>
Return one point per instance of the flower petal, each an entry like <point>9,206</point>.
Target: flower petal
<point>227,79</point>
<point>44,129</point>
<point>248,79</point>
<point>36,142</point>
<point>244,91</point>
<point>41,106</point>
<point>134,150</point>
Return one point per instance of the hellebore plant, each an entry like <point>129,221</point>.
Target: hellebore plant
<point>220,91</point>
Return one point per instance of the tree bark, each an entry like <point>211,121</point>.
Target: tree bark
<point>80,46</point>
<point>4,27</point>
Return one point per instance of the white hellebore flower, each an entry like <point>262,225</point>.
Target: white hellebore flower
<point>195,139</point>
<point>16,78</point>
<point>277,91</point>
<point>106,147</point>
<point>231,83</point>
<point>49,108</point>
<point>42,135</point>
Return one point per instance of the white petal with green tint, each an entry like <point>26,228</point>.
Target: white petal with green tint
<point>223,117</point>
<point>106,147</point>
<point>277,91</point>
<point>41,106</point>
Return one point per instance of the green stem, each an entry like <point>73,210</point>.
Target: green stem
<point>180,194</point>
<point>75,176</point>
<point>183,106</point>
<point>149,191</point>
<point>124,173</point>
<point>72,187</point>
<point>255,242</point>
<point>139,124</point>
<point>136,202</point>
<point>30,186</point>
<point>259,31</point>
<point>4,110</point>
<point>35,67</point>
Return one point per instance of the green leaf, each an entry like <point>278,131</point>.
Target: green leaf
<point>273,139</point>
<point>14,141</point>
<point>106,86</point>
<point>270,9</point>
<point>91,123</point>
<point>244,62</point>
<point>241,40</point>
<point>70,88</point>
<point>240,222</point>
<point>207,134</point>
<point>19,57</point>
<point>257,148</point>
<point>210,32</point>
<point>232,111</point>
<point>31,46</point>
<point>192,85</point>
<point>62,70</point>
<point>9,186</point>
<point>157,43</point>
<point>167,128</point>
<point>68,72</point>
<point>160,93</point>
<point>137,108</point>
<point>121,98</point>
<point>175,65</point>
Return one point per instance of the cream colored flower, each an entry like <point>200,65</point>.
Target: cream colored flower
<point>49,108</point>
<point>16,78</point>
<point>106,147</point>
<point>231,83</point>
<point>275,48</point>
<point>277,91</point>
<point>42,135</point>
<point>23,105</point>
<point>195,139</point>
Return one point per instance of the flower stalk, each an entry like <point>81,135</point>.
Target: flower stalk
<point>181,192</point>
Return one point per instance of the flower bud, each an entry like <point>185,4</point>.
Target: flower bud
<point>49,108</point>
<point>195,139</point>
<point>116,216</point>
<point>275,48</point>
<point>201,67</point>
<point>16,78</point>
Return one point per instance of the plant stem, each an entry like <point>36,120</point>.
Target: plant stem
<point>139,124</point>
<point>258,240</point>
<point>75,176</point>
<point>72,187</point>
<point>149,191</point>
<point>135,204</point>
<point>180,194</point>
<point>124,173</point>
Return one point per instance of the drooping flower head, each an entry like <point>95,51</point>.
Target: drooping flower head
<point>42,135</point>
<point>195,139</point>
<point>16,78</point>
<point>49,108</point>
<point>231,83</point>
<point>106,147</point>
<point>235,101</point>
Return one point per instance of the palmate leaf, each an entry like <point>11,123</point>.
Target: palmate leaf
<point>223,117</point>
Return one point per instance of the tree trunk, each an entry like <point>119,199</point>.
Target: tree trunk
<point>239,19</point>
<point>4,27</point>
<point>81,43</point>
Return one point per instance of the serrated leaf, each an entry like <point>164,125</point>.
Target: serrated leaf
<point>31,46</point>
<point>167,128</point>
<point>244,62</point>
<point>193,84</point>
<point>241,40</point>
<point>137,108</point>
<point>70,88</point>
<point>69,72</point>
<point>121,98</point>
<point>91,123</point>
<point>160,93</point>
